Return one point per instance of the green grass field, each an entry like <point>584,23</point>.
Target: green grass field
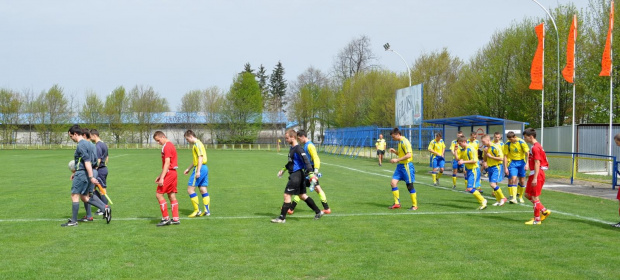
<point>447,238</point>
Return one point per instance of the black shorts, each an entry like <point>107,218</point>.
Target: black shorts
<point>103,176</point>
<point>296,183</point>
<point>380,152</point>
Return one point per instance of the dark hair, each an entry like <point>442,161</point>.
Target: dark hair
<point>395,131</point>
<point>94,132</point>
<point>473,133</point>
<point>497,133</point>
<point>301,133</point>
<point>460,132</point>
<point>486,136</point>
<point>189,132</point>
<point>438,134</point>
<point>461,139</point>
<point>86,133</point>
<point>617,137</point>
<point>510,134</point>
<point>158,133</point>
<point>530,132</point>
<point>75,129</point>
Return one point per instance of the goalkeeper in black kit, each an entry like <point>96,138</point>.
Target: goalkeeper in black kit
<point>298,167</point>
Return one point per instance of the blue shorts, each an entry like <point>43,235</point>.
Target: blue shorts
<point>473,178</point>
<point>404,173</point>
<point>438,162</point>
<point>456,165</point>
<point>517,168</point>
<point>203,181</point>
<point>496,173</point>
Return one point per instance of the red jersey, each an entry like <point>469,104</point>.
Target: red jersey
<point>537,153</point>
<point>168,151</point>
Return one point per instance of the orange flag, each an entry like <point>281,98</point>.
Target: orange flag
<point>606,63</point>
<point>538,62</point>
<point>569,70</point>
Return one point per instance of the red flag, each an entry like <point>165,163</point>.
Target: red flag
<point>606,63</point>
<point>569,70</point>
<point>538,62</point>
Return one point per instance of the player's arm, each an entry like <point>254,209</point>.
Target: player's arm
<point>315,157</point>
<point>302,154</point>
<point>536,170</point>
<point>470,159</point>
<point>199,166</point>
<point>164,170</point>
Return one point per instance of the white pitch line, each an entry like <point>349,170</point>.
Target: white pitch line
<point>439,187</point>
<point>474,212</point>
<point>115,156</point>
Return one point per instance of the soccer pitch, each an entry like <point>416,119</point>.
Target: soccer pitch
<point>447,238</point>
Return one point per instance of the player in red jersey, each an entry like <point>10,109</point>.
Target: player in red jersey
<point>167,180</point>
<point>537,163</point>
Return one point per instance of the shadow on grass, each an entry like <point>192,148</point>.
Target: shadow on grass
<point>594,224</point>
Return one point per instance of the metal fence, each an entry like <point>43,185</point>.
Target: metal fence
<point>582,166</point>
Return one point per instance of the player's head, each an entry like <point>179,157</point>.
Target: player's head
<point>86,133</point>
<point>437,135</point>
<point>462,141</point>
<point>473,135</point>
<point>511,136</point>
<point>460,133</point>
<point>529,135</point>
<point>190,136</point>
<point>290,136</point>
<point>497,136</point>
<point>75,131</point>
<point>160,137</point>
<point>94,134</point>
<point>303,136</point>
<point>380,136</point>
<point>486,140</point>
<point>617,139</point>
<point>395,133</point>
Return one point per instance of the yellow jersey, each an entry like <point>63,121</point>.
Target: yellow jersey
<point>469,153</point>
<point>437,146</point>
<point>198,149</point>
<point>404,147</point>
<point>496,151</point>
<point>313,156</point>
<point>454,145</point>
<point>380,144</point>
<point>517,150</point>
<point>475,144</point>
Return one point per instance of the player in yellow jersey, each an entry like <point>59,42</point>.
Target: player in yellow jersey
<point>380,145</point>
<point>437,148</point>
<point>516,150</point>
<point>199,177</point>
<point>454,147</point>
<point>493,159</point>
<point>473,140</point>
<point>315,161</point>
<point>404,169</point>
<point>468,155</point>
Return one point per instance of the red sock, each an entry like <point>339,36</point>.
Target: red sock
<point>537,207</point>
<point>164,209</point>
<point>175,210</point>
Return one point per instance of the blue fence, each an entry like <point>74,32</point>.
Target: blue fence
<point>583,166</point>
<point>351,140</point>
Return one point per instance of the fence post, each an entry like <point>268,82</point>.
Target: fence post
<point>572,173</point>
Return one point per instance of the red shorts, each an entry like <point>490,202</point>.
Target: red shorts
<point>170,183</point>
<point>618,195</point>
<point>540,181</point>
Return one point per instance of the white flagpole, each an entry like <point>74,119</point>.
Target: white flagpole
<point>574,71</point>
<point>611,88</point>
<point>542,104</point>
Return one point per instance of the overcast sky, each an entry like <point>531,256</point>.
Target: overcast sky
<point>177,46</point>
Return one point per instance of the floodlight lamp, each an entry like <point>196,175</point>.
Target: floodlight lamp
<point>386,46</point>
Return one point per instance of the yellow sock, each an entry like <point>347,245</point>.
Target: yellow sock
<point>414,199</point>
<point>520,191</point>
<point>296,199</point>
<point>323,197</point>
<point>195,203</point>
<point>434,178</point>
<point>466,183</point>
<point>478,196</point>
<point>499,195</point>
<point>396,195</point>
<point>454,181</point>
<point>206,200</point>
<point>439,175</point>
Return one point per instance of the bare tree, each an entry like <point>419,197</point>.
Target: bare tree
<point>10,102</point>
<point>355,57</point>
<point>212,107</point>
<point>146,106</point>
<point>92,111</point>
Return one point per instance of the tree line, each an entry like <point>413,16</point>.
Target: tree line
<point>356,91</point>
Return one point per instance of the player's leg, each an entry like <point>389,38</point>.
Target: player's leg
<point>399,174</point>
<point>174,206</point>
<point>103,178</point>
<point>470,175</point>
<point>410,179</point>
<point>435,167</point>
<point>323,198</point>
<point>455,169</point>
<point>294,202</point>
<point>163,207</point>
<point>512,182</point>
<point>193,197</point>
<point>206,201</point>
<point>617,197</point>
<point>291,189</point>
